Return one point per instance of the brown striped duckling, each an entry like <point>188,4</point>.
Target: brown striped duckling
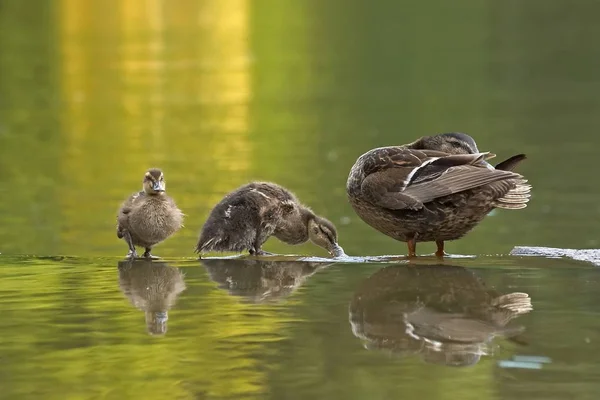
<point>148,217</point>
<point>435,189</point>
<point>245,218</point>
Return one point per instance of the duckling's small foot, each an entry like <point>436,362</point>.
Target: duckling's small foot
<point>132,254</point>
<point>150,256</point>
<point>260,252</point>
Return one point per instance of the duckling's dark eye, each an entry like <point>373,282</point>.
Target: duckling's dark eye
<point>456,144</point>
<point>316,230</point>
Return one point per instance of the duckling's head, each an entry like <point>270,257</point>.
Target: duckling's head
<point>451,143</point>
<point>154,182</point>
<point>323,233</point>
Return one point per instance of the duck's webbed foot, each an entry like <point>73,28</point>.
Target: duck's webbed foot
<point>148,255</point>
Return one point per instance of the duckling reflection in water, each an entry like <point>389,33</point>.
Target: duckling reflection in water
<point>259,281</point>
<point>148,217</point>
<point>152,287</point>
<point>249,215</point>
<point>446,314</point>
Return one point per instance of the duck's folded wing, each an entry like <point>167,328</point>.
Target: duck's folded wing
<point>455,180</point>
<point>385,189</point>
<point>407,184</point>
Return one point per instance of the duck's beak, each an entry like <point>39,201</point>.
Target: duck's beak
<point>158,186</point>
<point>336,250</point>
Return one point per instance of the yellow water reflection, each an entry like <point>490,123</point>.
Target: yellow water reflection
<point>166,86</point>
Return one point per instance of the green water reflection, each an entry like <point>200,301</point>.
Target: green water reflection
<point>76,328</point>
<point>217,93</point>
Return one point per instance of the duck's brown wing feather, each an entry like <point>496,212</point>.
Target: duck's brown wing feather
<point>406,179</point>
<point>455,180</point>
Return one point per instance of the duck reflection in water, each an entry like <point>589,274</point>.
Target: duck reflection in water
<point>260,281</point>
<point>443,313</point>
<point>152,287</point>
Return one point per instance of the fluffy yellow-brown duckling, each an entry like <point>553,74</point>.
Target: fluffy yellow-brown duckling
<point>249,215</point>
<point>148,217</point>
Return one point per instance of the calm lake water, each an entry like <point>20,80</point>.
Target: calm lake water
<point>220,92</point>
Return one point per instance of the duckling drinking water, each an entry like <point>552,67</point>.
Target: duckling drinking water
<point>148,217</point>
<point>249,215</point>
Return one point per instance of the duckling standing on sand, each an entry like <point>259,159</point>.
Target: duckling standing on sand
<point>437,188</point>
<point>249,215</point>
<point>148,217</point>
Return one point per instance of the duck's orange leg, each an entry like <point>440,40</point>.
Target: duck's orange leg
<point>440,248</point>
<point>412,247</point>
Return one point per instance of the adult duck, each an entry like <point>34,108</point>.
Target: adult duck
<point>434,189</point>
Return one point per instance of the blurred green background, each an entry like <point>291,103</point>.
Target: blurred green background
<point>220,92</point>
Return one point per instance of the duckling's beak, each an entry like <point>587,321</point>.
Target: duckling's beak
<point>336,250</point>
<point>158,186</point>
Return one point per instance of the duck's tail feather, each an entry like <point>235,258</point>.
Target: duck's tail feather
<point>511,163</point>
<point>516,198</point>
